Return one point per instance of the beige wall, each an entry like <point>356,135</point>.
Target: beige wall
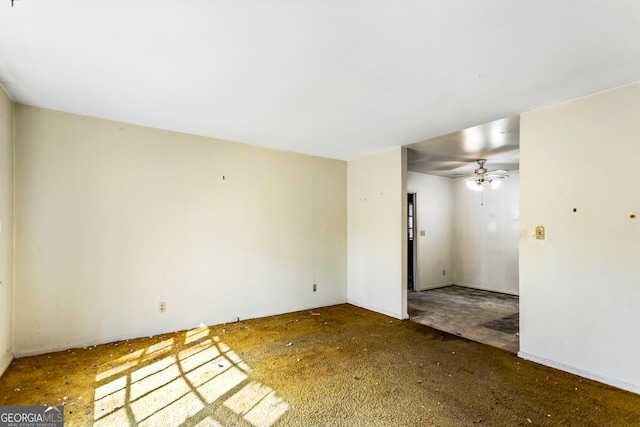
<point>377,230</point>
<point>471,237</point>
<point>486,236</point>
<point>580,287</point>
<point>6,230</point>
<point>114,218</point>
<point>434,216</point>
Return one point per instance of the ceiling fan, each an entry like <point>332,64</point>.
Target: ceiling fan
<point>482,175</point>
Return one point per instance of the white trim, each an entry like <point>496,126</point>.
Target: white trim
<point>487,288</point>
<point>414,250</point>
<point>435,286</point>
<point>93,343</point>
<point>585,374</point>
<point>151,333</point>
<point>379,310</point>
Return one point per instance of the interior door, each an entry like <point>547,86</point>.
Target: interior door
<point>411,197</point>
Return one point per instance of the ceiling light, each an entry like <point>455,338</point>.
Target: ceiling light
<point>483,177</point>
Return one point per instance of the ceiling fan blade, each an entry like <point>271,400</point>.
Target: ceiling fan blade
<point>436,162</point>
<point>417,155</point>
<point>449,166</point>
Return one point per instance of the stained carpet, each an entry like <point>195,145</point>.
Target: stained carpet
<point>332,366</point>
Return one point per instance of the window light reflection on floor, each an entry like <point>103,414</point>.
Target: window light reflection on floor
<point>205,377</point>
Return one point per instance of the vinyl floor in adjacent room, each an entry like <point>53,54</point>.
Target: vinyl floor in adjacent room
<point>487,317</point>
<point>339,366</point>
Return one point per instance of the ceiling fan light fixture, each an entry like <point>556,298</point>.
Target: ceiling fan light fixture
<point>474,185</point>
<point>482,176</point>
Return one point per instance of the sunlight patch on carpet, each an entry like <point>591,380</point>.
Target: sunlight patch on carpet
<point>144,388</point>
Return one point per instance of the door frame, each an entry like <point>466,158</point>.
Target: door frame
<point>412,261</point>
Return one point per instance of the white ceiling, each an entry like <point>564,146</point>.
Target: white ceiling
<point>456,154</point>
<point>334,78</point>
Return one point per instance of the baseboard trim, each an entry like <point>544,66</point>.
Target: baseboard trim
<point>486,288</point>
<point>90,343</point>
<point>378,310</point>
<point>154,332</point>
<point>434,286</point>
<point>585,374</point>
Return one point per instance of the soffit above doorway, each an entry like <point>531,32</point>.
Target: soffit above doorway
<point>455,154</point>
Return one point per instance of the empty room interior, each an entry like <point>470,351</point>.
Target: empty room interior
<point>462,231</point>
<point>272,184</point>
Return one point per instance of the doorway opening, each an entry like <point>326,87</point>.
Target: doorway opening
<point>468,259</point>
<point>411,242</point>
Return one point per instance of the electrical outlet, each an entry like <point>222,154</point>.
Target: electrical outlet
<point>315,287</point>
<point>163,306</point>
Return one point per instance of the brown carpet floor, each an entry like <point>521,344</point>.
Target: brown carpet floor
<point>334,366</point>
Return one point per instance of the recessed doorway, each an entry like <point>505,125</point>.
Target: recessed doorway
<point>411,242</point>
<point>471,240</point>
